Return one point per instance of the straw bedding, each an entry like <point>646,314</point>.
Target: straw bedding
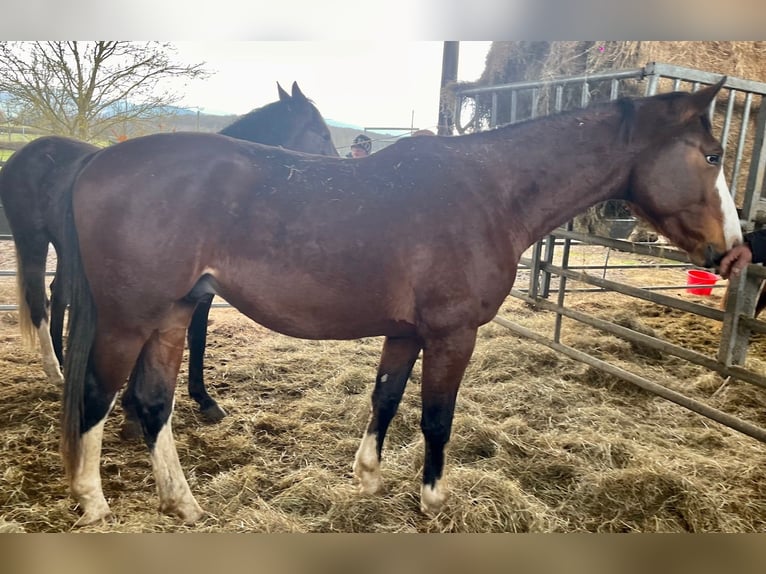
<point>540,443</point>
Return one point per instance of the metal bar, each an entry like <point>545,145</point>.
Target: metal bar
<point>546,277</point>
<point>645,287</point>
<point>741,144</point>
<point>514,105</point>
<point>636,266</point>
<point>662,251</point>
<point>584,94</point>
<point>649,341</point>
<point>638,293</point>
<point>700,408</point>
<point>651,86</point>
<point>637,73</point>
<point>534,270</point>
<point>735,334</point>
<point>562,289</point>
<point>727,119</point>
<point>493,114</point>
<point>755,177</point>
<point>693,75</point>
<point>614,89</point>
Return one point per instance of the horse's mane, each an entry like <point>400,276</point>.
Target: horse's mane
<point>625,106</point>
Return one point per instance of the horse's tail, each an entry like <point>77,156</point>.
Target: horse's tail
<point>26,326</point>
<point>80,336</point>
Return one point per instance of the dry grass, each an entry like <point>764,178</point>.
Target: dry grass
<point>540,443</point>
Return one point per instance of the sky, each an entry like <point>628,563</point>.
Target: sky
<point>367,84</point>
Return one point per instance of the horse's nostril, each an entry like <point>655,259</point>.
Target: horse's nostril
<point>712,258</point>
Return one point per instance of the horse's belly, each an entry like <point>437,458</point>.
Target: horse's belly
<point>307,308</point>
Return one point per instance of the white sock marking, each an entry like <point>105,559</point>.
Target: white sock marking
<point>174,492</point>
<point>432,499</point>
<point>50,362</point>
<point>367,465</point>
<point>85,483</point>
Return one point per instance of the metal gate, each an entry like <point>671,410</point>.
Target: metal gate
<point>739,117</point>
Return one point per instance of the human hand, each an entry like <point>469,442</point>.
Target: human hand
<point>735,260</point>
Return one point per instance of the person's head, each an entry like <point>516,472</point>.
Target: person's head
<point>361,147</point>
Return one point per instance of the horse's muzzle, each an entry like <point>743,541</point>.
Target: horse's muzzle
<point>712,257</point>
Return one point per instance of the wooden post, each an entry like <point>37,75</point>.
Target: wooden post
<point>449,75</point>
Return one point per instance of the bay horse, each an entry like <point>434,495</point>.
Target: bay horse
<point>33,185</point>
<point>418,243</point>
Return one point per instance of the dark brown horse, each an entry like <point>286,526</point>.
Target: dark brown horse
<point>33,186</point>
<point>417,243</point>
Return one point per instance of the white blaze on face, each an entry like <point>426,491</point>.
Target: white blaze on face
<point>731,228</point>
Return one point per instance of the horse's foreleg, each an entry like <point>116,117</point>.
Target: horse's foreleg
<point>114,356</point>
<point>396,361</point>
<point>155,378</point>
<point>197,338</point>
<point>444,363</point>
<point>131,426</point>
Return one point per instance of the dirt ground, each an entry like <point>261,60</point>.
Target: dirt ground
<point>540,443</point>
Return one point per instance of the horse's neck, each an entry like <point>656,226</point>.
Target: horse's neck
<point>556,171</point>
<point>255,126</point>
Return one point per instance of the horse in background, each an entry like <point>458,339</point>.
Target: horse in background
<point>34,186</point>
<point>418,243</point>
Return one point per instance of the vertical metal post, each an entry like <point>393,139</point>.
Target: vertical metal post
<point>450,55</point>
<point>727,120</point>
<point>740,300</point>
<point>550,246</point>
<point>754,185</point>
<point>535,271</point>
<point>741,144</point>
<point>562,285</point>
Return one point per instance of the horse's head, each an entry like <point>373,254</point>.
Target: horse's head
<point>292,122</point>
<point>305,128</point>
<point>678,184</point>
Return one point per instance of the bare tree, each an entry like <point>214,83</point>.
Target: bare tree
<point>89,90</point>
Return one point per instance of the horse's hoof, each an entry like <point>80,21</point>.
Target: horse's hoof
<point>432,499</point>
<point>213,413</point>
<point>370,480</point>
<point>100,513</point>
<point>188,511</point>
<point>130,430</point>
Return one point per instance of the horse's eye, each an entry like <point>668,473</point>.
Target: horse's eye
<point>713,159</point>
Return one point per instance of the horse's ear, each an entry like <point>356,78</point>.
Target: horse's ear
<point>283,95</point>
<point>297,94</point>
<point>700,101</point>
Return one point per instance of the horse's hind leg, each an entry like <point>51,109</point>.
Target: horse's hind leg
<point>197,338</point>
<point>396,361</point>
<point>58,305</point>
<point>114,357</point>
<point>32,254</point>
<point>444,363</point>
<point>155,379</point>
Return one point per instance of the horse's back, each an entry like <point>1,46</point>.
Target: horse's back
<point>35,178</point>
